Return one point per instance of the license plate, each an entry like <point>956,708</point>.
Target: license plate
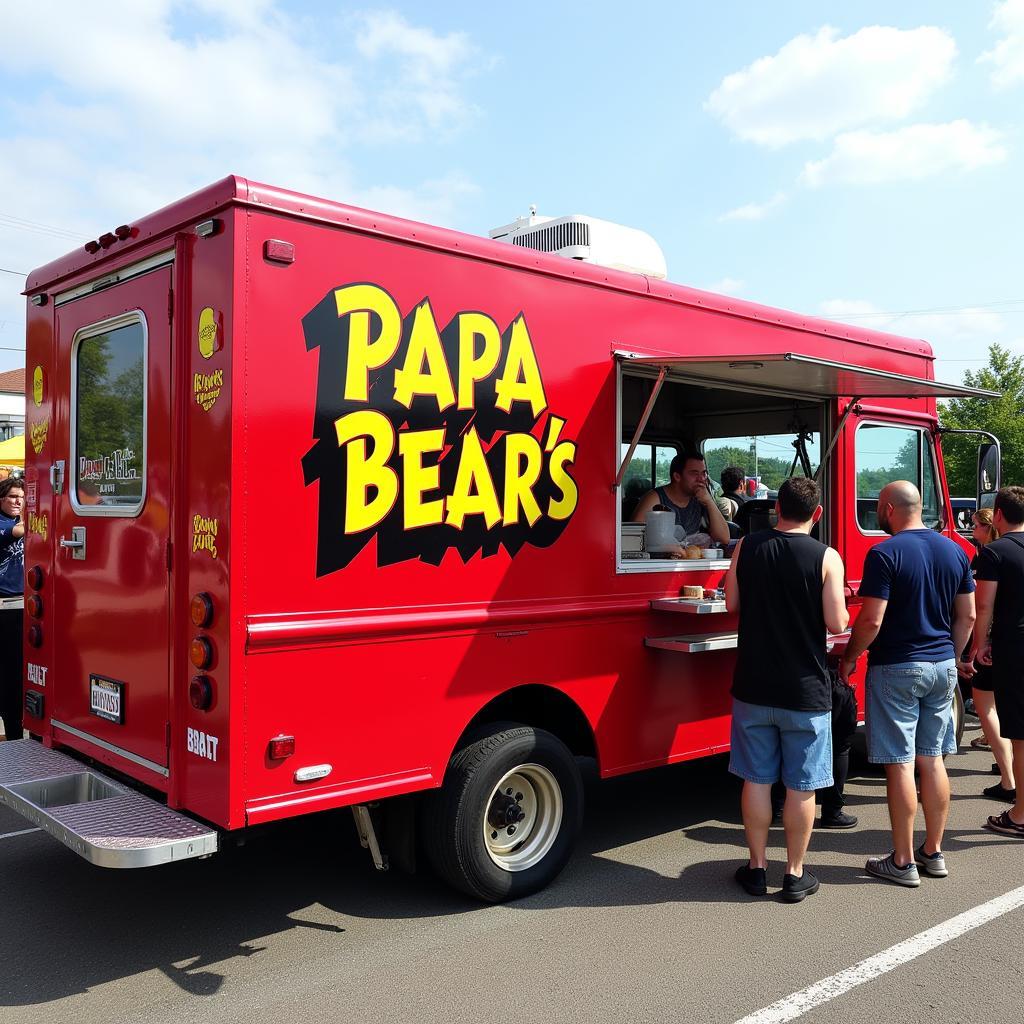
<point>106,699</point>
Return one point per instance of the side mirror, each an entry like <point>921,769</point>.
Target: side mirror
<point>989,474</point>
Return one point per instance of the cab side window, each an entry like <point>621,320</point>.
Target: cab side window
<point>885,453</point>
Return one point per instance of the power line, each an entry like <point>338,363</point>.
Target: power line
<point>16,273</point>
<point>936,310</point>
<point>43,229</point>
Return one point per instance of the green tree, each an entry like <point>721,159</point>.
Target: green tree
<point>1002,416</point>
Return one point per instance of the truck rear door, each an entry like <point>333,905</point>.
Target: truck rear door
<point>112,520</point>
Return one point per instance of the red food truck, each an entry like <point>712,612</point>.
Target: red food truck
<point>330,509</point>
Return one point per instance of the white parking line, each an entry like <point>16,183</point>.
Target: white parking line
<point>23,832</point>
<point>799,1003</point>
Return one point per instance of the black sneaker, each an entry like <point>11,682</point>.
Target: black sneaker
<point>838,820</point>
<point>997,792</point>
<point>753,880</point>
<point>795,889</point>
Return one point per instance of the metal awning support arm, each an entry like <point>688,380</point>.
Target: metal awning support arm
<point>641,426</point>
<point>942,431</point>
<point>850,410</point>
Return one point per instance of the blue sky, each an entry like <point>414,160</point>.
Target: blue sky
<point>859,161</point>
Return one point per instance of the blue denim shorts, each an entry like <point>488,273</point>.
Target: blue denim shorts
<point>773,743</point>
<point>910,711</point>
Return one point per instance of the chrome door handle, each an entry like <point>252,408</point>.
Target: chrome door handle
<point>76,544</point>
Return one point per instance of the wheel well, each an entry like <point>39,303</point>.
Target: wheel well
<point>543,708</point>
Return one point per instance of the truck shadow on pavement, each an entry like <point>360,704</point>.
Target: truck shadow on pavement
<point>91,926</point>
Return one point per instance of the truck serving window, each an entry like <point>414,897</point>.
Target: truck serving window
<point>885,453</point>
<point>108,452</point>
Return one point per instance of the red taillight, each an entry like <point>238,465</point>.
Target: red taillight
<point>200,693</point>
<point>34,606</point>
<point>200,652</point>
<point>281,747</point>
<point>36,577</point>
<point>35,636</point>
<point>202,610</point>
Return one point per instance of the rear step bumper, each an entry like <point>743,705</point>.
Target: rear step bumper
<point>101,820</point>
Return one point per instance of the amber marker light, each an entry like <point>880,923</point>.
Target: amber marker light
<point>200,652</point>
<point>202,610</point>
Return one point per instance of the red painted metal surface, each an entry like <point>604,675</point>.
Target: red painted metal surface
<point>110,609</point>
<point>375,648</point>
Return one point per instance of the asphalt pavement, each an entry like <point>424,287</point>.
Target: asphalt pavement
<point>645,924</point>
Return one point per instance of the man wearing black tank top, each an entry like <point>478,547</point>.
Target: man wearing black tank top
<point>788,589</point>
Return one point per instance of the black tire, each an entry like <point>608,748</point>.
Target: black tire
<point>452,818</point>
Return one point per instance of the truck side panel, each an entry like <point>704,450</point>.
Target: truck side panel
<point>375,647</point>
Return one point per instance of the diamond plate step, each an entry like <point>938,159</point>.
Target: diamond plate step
<point>101,820</point>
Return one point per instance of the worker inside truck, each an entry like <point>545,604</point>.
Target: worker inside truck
<point>769,437</point>
<point>688,495</point>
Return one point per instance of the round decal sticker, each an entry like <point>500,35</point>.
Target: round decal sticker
<point>207,333</point>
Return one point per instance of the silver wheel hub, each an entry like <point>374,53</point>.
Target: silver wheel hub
<point>523,817</point>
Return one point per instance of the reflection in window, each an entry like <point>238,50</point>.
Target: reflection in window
<point>766,459</point>
<point>109,460</point>
<point>884,454</point>
<point>648,469</point>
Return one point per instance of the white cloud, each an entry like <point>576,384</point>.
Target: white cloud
<point>754,211</point>
<point>959,337</point>
<point>115,109</point>
<point>906,154</point>
<point>727,286</point>
<point>816,86</point>
<point>842,309</point>
<point>1007,55</point>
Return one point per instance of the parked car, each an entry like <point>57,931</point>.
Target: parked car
<point>963,513</point>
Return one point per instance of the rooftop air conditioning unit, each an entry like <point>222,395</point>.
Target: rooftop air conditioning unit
<point>588,239</point>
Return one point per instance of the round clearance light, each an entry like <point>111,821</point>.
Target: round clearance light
<point>35,636</point>
<point>200,652</point>
<point>202,610</point>
<point>36,577</point>
<point>34,606</point>
<point>200,693</point>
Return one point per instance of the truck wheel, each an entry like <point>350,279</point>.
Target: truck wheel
<point>505,822</point>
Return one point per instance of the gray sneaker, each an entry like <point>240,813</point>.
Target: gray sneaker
<point>931,864</point>
<point>886,869</point>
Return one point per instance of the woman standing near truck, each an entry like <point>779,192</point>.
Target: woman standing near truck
<point>984,699</point>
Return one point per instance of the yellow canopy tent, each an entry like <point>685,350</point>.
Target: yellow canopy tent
<point>12,451</point>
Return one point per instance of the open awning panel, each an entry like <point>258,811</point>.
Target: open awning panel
<point>789,373</point>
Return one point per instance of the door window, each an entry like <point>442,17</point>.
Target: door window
<point>108,449</point>
<point>885,453</point>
